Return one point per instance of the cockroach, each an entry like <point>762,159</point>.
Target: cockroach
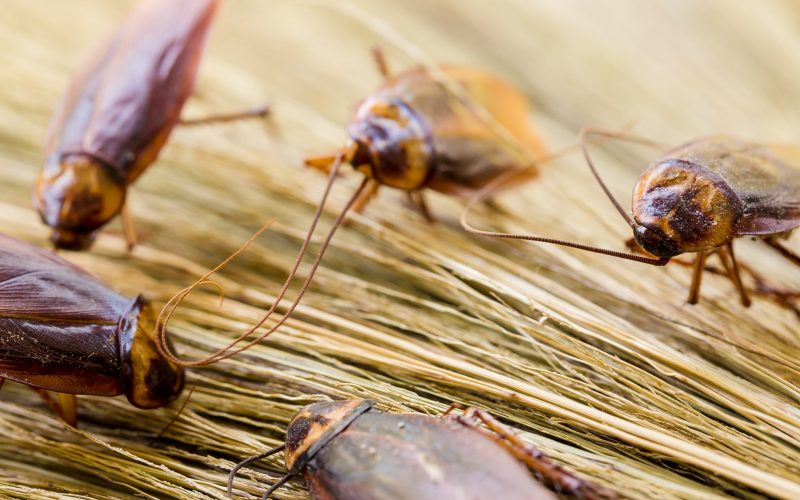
<point>450,129</point>
<point>699,197</point>
<point>347,450</point>
<point>117,114</point>
<point>63,330</point>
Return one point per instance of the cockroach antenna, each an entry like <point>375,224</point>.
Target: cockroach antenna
<point>227,351</point>
<point>255,458</point>
<point>489,189</point>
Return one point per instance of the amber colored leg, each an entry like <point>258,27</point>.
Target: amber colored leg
<point>380,61</point>
<point>258,112</point>
<point>321,163</point>
<point>788,254</point>
<point>417,199</point>
<point>732,271</point>
<point>1,382</point>
<point>66,407</point>
<point>556,476</point>
<point>69,408</point>
<point>697,277</point>
<point>128,229</point>
<point>366,196</point>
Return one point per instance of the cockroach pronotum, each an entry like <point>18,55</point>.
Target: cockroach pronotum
<point>449,129</point>
<point>347,450</point>
<point>63,330</point>
<point>699,197</point>
<point>116,116</point>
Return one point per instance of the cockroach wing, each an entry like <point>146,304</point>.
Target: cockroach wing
<point>124,103</point>
<point>766,178</point>
<point>58,324</point>
<point>416,457</point>
<point>479,131</point>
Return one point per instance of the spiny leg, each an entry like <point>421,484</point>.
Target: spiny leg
<point>697,277</point>
<point>559,478</point>
<point>257,112</point>
<point>417,200</point>
<point>128,229</point>
<point>380,61</point>
<point>787,253</point>
<point>732,270</point>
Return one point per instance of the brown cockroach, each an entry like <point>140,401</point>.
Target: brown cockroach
<point>63,330</point>
<point>699,197</point>
<point>117,114</point>
<point>449,129</point>
<point>347,450</point>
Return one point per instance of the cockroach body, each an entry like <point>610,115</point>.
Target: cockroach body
<point>63,330</point>
<point>416,132</point>
<point>116,116</point>
<point>450,129</point>
<point>347,450</point>
<point>699,197</point>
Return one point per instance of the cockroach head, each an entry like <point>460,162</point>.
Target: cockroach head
<point>151,380</point>
<point>315,425</point>
<point>679,206</point>
<point>393,144</point>
<point>76,194</point>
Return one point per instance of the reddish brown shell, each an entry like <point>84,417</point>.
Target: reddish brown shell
<point>469,150</point>
<point>377,455</point>
<point>123,104</point>
<point>59,326</point>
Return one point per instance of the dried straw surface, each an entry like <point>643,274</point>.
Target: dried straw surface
<point>598,362</point>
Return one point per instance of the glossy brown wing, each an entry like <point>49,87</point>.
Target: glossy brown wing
<point>766,178</point>
<point>124,103</point>
<point>58,324</point>
<point>416,457</point>
<point>479,134</point>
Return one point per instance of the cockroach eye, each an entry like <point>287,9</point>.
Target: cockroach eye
<point>655,243</point>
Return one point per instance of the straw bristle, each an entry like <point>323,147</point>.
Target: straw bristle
<point>597,362</point>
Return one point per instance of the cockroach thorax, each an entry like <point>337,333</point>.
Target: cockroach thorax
<point>151,380</point>
<point>393,144</point>
<point>680,206</point>
<point>315,425</point>
<point>76,194</point>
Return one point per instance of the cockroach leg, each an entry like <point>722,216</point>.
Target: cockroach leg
<point>417,200</point>
<point>257,112</point>
<point>322,163</point>
<point>65,407</point>
<point>697,277</point>
<point>69,408</point>
<point>380,61</point>
<point>369,192</point>
<point>732,271</point>
<point>128,229</point>
<point>788,254</point>
<point>558,478</point>
<point>1,382</point>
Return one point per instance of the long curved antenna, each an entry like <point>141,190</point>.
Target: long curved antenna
<point>492,186</point>
<point>277,485</point>
<point>249,460</point>
<point>169,308</point>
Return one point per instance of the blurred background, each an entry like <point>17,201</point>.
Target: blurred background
<point>598,362</point>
